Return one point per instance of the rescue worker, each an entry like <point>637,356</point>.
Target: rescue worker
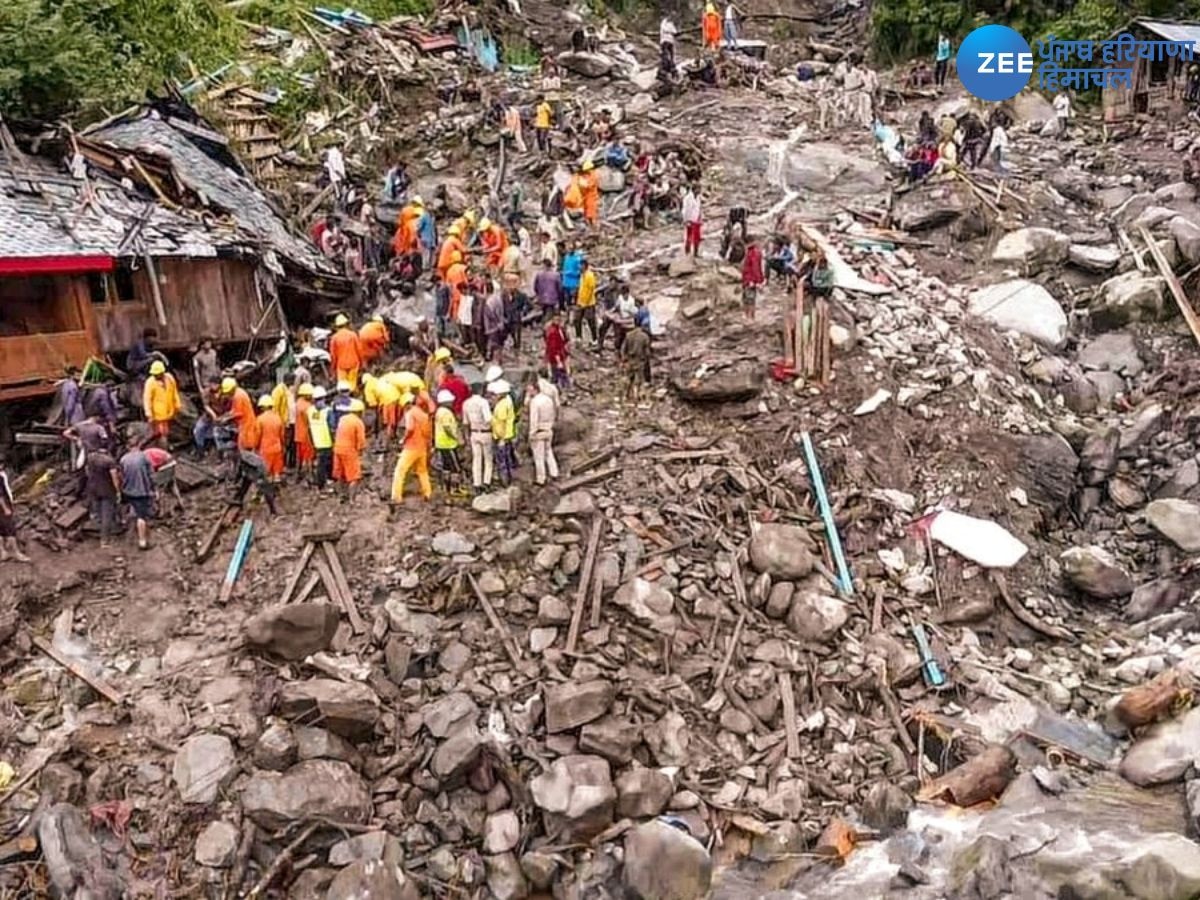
<point>241,411</point>
<point>345,352</point>
<point>348,445</point>
<point>542,416</point>
<point>160,399</point>
<point>457,279</point>
<point>504,429</point>
<point>302,435</point>
<point>383,397</point>
<point>373,339</point>
<point>447,440</point>
<point>270,437</point>
<point>477,416</point>
<point>711,27</point>
<point>405,242</point>
<point>415,454</point>
<point>322,437</point>
<point>589,189</point>
<point>433,365</point>
<point>452,245</point>
<point>543,122</point>
<point>284,403</point>
<point>340,405</point>
<point>493,241</point>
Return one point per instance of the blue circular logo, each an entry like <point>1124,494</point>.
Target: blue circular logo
<point>994,62</point>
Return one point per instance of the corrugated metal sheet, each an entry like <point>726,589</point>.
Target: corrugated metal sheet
<point>1172,31</point>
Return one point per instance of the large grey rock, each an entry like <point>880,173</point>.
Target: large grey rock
<point>1150,419</point>
<point>733,384</point>
<point>294,630</point>
<point>611,737</point>
<point>648,601</point>
<point>590,65</point>
<point>1160,866</point>
<point>217,844</point>
<point>1165,752</point>
<point>1094,259</point>
<point>643,792</point>
<point>1187,238</point>
<point>782,551</point>
<point>576,703</point>
<point>1176,520</point>
<point>369,847</point>
<point>275,748</point>
<point>816,617</point>
<point>1115,351</point>
<point>1129,297</point>
<point>350,710</point>
<point>1153,216</point>
<point>669,739</point>
<point>1023,307</point>
<point>665,863</point>
<point>495,503</point>
<point>459,753</point>
<point>1113,197</point>
<point>1175,193</point>
<point>372,880</point>
<point>576,796</point>
<point>1153,598</point>
<point>1032,248</point>
<point>576,503</point>
<point>202,766</point>
<point>1095,572</point>
<point>1048,465</point>
<point>316,789</point>
<point>682,264</point>
<point>445,714</point>
<point>451,543</point>
<point>886,807</point>
<point>318,743</point>
<point>930,204</point>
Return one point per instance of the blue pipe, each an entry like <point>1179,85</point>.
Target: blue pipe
<point>835,543</point>
<point>239,552</point>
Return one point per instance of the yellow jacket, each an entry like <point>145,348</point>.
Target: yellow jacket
<point>504,419</point>
<point>160,398</point>
<point>318,427</point>
<point>542,116</point>
<point>281,402</point>
<point>445,429</point>
<point>380,392</point>
<point>587,289</point>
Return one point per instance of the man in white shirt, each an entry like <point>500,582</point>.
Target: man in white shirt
<point>691,221</point>
<point>542,414</point>
<point>731,38</point>
<point>1062,111</point>
<point>477,416</point>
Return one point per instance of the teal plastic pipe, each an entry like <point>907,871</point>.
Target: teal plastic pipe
<point>835,542</point>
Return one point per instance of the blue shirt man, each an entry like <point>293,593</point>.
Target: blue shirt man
<point>572,272</point>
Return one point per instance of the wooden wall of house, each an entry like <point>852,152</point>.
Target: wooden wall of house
<point>1163,98</point>
<point>45,325</point>
<point>201,297</point>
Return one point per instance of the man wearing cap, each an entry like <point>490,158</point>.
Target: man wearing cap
<point>339,405</point>
<point>433,365</point>
<point>383,397</point>
<point>504,429</point>
<point>451,245</point>
<point>348,445</point>
<point>345,352</point>
<point>477,416</point>
<point>160,399</point>
<point>447,440</point>
<point>589,187</point>
<point>415,454</point>
<point>453,382</point>
<point>302,434</point>
<point>241,411</point>
<point>373,339</point>
<point>542,415</point>
<point>270,437</point>
<point>492,243</point>
<point>322,437</point>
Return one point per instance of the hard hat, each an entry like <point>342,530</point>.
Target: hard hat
<point>367,378</point>
<point>445,397</point>
<point>499,387</point>
<point>494,373</point>
<point>319,393</point>
<point>228,385</point>
<point>265,402</point>
<point>485,223</point>
<point>344,387</point>
<point>454,229</point>
<point>305,390</point>
<point>341,320</point>
<point>441,354</point>
<point>587,165</point>
<point>157,367</point>
<point>377,318</point>
<point>406,398</point>
<point>455,257</point>
<point>417,201</point>
<point>470,216</point>
<point>356,406</point>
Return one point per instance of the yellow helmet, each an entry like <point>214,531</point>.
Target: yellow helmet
<point>454,229</point>
<point>341,320</point>
<point>356,406</point>
<point>456,257</point>
<point>157,367</point>
<point>441,354</point>
<point>265,402</point>
<point>470,216</point>
<point>406,398</point>
<point>485,223</point>
<point>417,201</point>
<point>587,165</point>
<point>367,378</point>
<point>228,385</point>
<point>377,318</point>
<point>305,390</point>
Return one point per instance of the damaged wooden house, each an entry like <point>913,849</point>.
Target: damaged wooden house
<point>144,221</point>
<point>1159,84</point>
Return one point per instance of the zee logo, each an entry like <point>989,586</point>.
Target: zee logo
<point>994,62</point>
<point>1003,63</point>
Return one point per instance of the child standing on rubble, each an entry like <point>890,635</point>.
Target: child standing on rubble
<point>9,548</point>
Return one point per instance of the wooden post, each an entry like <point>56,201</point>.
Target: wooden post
<point>1181,300</point>
<point>585,577</point>
<point>155,289</point>
<point>294,581</point>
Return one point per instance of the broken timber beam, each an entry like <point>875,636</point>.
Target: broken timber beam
<point>1181,300</point>
<point>506,638</point>
<point>585,578</point>
<point>205,548</point>
<point>571,484</point>
<point>344,597</point>
<point>293,582</point>
<point>97,684</point>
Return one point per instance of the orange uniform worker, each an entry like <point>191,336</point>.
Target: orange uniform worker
<point>345,352</point>
<point>418,432</point>
<point>452,246</point>
<point>160,399</point>
<point>305,453</point>
<point>492,242</point>
<point>456,279</point>
<point>348,445</point>
<point>711,26</point>
<point>373,339</point>
<point>589,189</point>
<point>270,436</point>
<point>241,410</point>
<point>406,239</point>
<point>383,397</point>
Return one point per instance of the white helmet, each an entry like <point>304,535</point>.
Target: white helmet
<point>499,387</point>
<point>494,373</point>
<point>445,397</point>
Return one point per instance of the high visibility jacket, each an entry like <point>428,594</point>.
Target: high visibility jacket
<point>270,433</point>
<point>380,393</point>
<point>589,188</point>
<point>504,419</point>
<point>303,435</point>
<point>318,427</point>
<point>416,429</point>
<point>160,398</point>
<point>242,409</point>
<point>344,351</point>
<point>445,429</point>
<point>373,337</point>
<point>281,398</point>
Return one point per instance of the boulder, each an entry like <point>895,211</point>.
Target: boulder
<point>1150,419</point>
<point>501,831</point>
<point>1048,464</point>
<point>459,753</point>
<point>375,879</point>
<point>886,807</point>
<point>1175,193</point>
<point>1153,216</point>
<point>575,703</point>
<point>451,543</point>
<point>1032,248</point>
<point>1153,598</point>
<point>576,796</point>
<point>779,600</point>
<point>368,847</point>
<point>733,384</point>
<point>1095,572</point>
<point>781,551</point>
<point>643,792</point>
<point>316,789</point>
<point>275,748</point>
<point>1114,351</point>
<point>648,601</point>
<point>495,503</point>
<point>1178,521</point>
<point>666,863</point>
<point>318,743</point>
<point>589,65</point>
<point>202,766</point>
<point>1187,238</point>
<point>1165,752</point>
<point>1023,307</point>
<point>576,503</point>
<point>350,710</point>
<point>669,739</point>
<point>448,712</point>
<point>1115,196</point>
<point>816,617</point>
<point>294,630</point>
<point>930,204</point>
<point>611,737</point>
<point>1074,185</point>
<point>217,844</point>
<point>1094,259</point>
<point>1130,297</point>
<point>505,878</point>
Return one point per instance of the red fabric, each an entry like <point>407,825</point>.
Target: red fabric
<point>55,265</point>
<point>457,385</point>
<point>752,267</point>
<point>691,236</point>
<point>556,345</point>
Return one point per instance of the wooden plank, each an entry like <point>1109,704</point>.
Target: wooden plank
<point>343,587</point>
<point>733,642</point>
<point>585,578</point>
<point>325,574</point>
<point>689,455</point>
<point>595,460</point>
<point>597,601</point>
<point>510,645</point>
<point>1181,300</point>
<point>788,697</point>
<point>205,548</point>
<point>98,685</point>
<point>571,484</point>
<point>309,586</point>
<point>290,588</point>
